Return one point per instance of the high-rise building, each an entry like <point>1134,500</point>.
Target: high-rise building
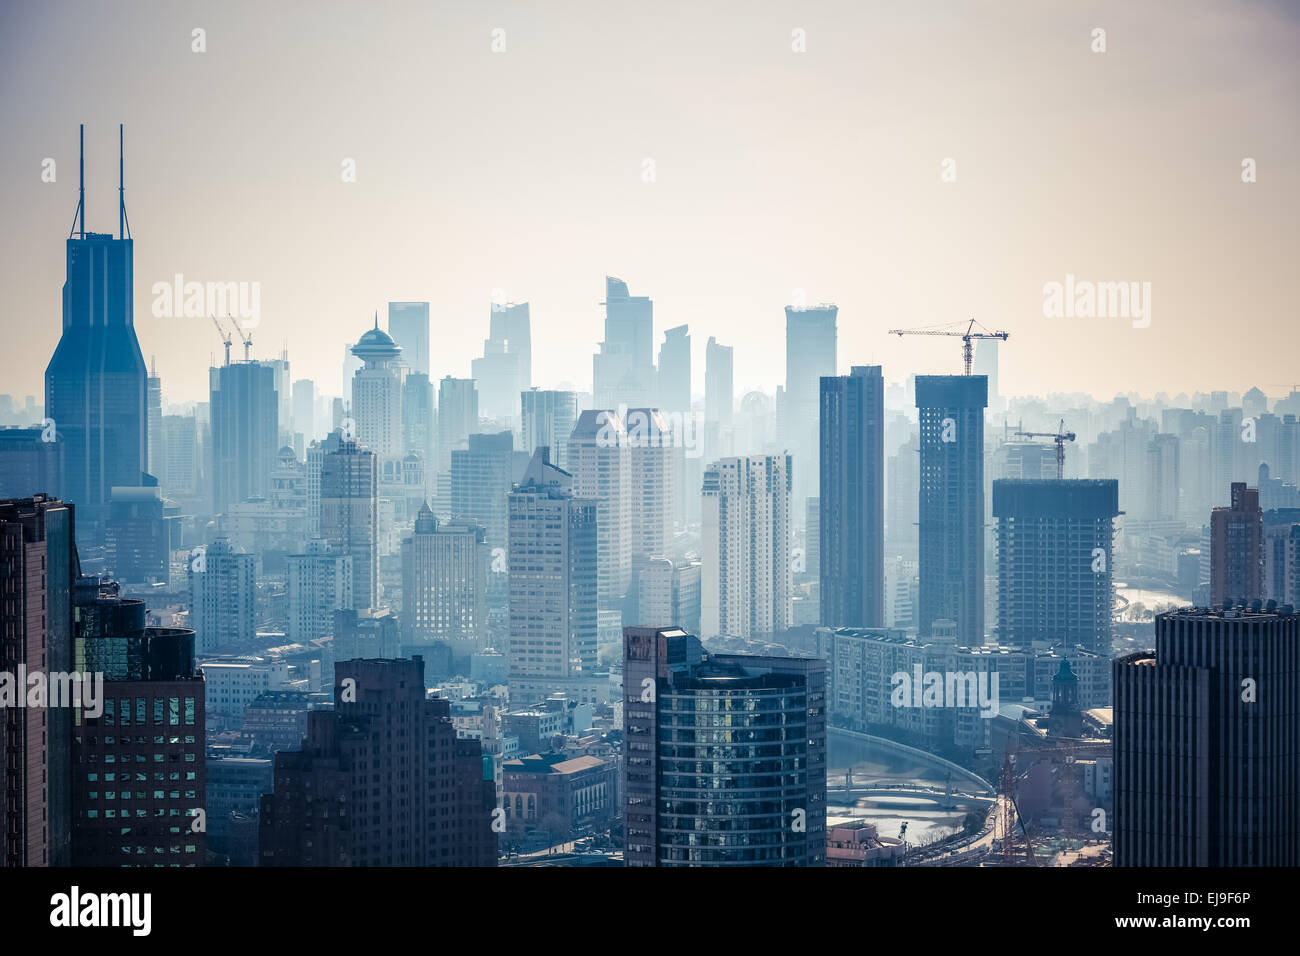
<point>481,477</point>
<point>753,794</point>
<point>377,394</point>
<point>951,507</point>
<point>245,432</point>
<point>457,416</point>
<point>623,369</point>
<point>349,513</point>
<point>445,568</point>
<point>547,420</point>
<point>851,555</point>
<point>319,583</point>
<point>408,324</point>
<point>1237,547</point>
<point>1163,484</point>
<point>719,394</point>
<point>745,589</point>
<point>153,419</point>
<point>668,593</point>
<point>810,353</point>
<point>1055,560</point>
<point>552,580</point>
<point>223,597</point>
<point>653,468</point>
<point>1207,741</point>
<point>153,722</point>
<point>419,419</point>
<point>95,383</point>
<point>182,466</point>
<point>601,465</point>
<point>38,565</point>
<point>29,463</point>
<point>304,409</point>
<point>505,369</point>
<point>383,737</point>
<point>674,394</point>
<point>137,537</point>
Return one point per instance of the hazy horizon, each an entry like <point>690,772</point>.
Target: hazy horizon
<point>775,171</point>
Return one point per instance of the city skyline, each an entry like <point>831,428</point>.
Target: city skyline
<point>258,195</point>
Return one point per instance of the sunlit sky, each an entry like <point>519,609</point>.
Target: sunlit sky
<point>774,171</point>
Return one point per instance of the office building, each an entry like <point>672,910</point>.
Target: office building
<point>752,794</point>
<point>349,513</point>
<point>481,477</point>
<point>623,369</point>
<point>223,597</point>
<point>383,737</point>
<point>38,564</point>
<point>851,505</point>
<point>951,506</point>
<point>745,589</point>
<point>408,324</point>
<point>600,462</point>
<point>377,394</point>
<point>1207,741</point>
<point>674,395</point>
<point>1055,560</point>
<point>319,582</point>
<point>457,416</point>
<point>810,353</point>
<point>505,369</point>
<point>445,568</point>
<point>1237,547</point>
<point>245,432</point>
<point>547,420</point>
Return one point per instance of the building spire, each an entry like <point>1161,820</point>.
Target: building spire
<point>123,229</point>
<point>376,318</point>
<point>80,214</point>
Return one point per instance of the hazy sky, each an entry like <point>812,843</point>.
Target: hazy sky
<point>775,171</point>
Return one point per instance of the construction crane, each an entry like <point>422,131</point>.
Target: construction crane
<point>1060,436</point>
<point>966,337</point>
<point>247,338</point>
<point>225,336</point>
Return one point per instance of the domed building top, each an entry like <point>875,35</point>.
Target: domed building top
<point>376,345</point>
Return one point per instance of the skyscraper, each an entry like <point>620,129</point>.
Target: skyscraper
<point>383,737</point>
<point>552,580</point>
<point>38,564</point>
<point>851,525</point>
<point>752,794</point>
<point>223,597</point>
<point>548,420</point>
<point>245,432</point>
<point>601,465</point>
<point>153,421</point>
<point>153,721</point>
<point>377,394</point>
<point>95,383</point>
<point>1207,741</point>
<point>1055,561</point>
<point>506,366</point>
<point>810,352</point>
<point>951,507</point>
<point>623,369</point>
<point>349,513</point>
<point>674,394</point>
<point>408,324</point>
<point>719,394</point>
<point>481,477</point>
<point>745,589</point>
<point>319,583</point>
<point>457,416</point>
<point>1237,547</point>
<point>445,568</point>
<point>304,409</point>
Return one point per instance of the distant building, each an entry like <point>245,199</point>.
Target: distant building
<point>349,513</point>
<point>559,794</point>
<point>811,341</point>
<point>1237,548</point>
<point>245,432</point>
<point>623,369</point>
<point>480,480</point>
<point>319,582</point>
<point>223,597</point>
<point>445,569</point>
<point>745,547</point>
<point>408,324</point>
<point>548,418</point>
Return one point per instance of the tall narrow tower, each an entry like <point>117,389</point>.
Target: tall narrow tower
<point>95,384</point>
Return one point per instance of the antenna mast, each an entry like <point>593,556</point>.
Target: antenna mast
<point>79,217</point>
<point>122,226</point>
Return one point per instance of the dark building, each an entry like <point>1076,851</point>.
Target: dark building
<point>1237,548</point>
<point>381,780</point>
<point>277,719</point>
<point>357,637</point>
<point>851,508</point>
<point>138,767</point>
<point>38,563</point>
<point>31,462</point>
<point>138,536</point>
<point>1055,580</point>
<point>95,382</point>
<point>950,515</point>
<point>234,792</point>
<point>1207,741</point>
<point>245,432</point>
<point>725,759</point>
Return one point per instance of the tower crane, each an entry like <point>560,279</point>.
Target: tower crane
<point>1060,436</point>
<point>247,338</point>
<point>225,336</point>
<point>966,337</point>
